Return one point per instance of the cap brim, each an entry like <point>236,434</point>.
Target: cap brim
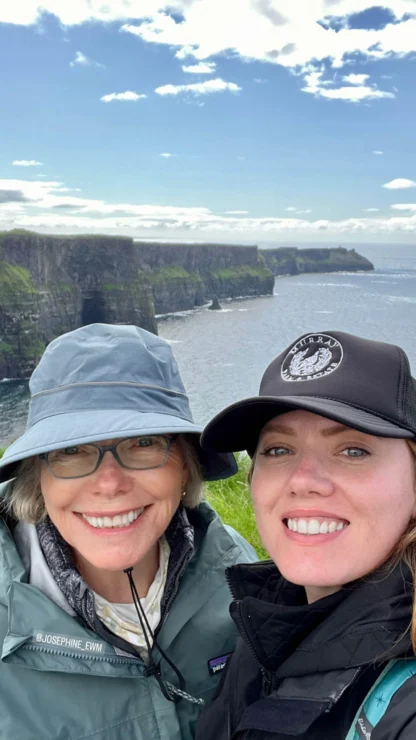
<point>238,426</point>
<point>77,427</point>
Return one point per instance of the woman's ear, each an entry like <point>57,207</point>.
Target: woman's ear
<point>185,475</point>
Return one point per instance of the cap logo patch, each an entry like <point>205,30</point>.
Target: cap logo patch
<point>312,357</point>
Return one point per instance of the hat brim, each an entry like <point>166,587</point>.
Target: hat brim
<point>64,430</point>
<point>238,426</point>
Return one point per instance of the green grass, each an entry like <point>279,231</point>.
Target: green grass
<point>170,272</point>
<point>231,499</point>
<point>15,279</point>
<point>241,271</point>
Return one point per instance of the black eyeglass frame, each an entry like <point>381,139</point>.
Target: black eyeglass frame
<point>102,449</point>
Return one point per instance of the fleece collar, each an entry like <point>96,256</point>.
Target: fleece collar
<point>71,586</point>
<point>366,621</point>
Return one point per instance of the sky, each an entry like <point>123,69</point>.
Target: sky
<point>240,121</point>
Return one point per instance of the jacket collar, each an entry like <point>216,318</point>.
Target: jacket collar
<point>27,610</point>
<point>364,622</point>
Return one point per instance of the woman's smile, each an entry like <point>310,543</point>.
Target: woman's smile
<point>121,521</point>
<point>314,529</point>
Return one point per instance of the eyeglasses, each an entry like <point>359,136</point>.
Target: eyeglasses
<point>134,453</point>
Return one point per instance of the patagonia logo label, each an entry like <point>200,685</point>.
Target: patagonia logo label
<point>364,728</point>
<point>68,643</point>
<point>216,665</point>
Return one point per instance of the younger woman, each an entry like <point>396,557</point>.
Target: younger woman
<point>329,620</point>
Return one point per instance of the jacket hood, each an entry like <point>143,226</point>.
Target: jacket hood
<point>365,621</point>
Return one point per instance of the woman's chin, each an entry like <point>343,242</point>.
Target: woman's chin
<point>113,559</point>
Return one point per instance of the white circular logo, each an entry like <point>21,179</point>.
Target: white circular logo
<point>312,357</point>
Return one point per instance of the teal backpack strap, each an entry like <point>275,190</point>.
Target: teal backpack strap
<point>378,698</point>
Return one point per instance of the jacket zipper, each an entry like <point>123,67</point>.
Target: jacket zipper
<point>267,677</point>
<point>69,654</point>
<point>265,674</point>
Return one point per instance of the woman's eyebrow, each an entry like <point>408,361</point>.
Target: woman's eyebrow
<point>280,429</point>
<point>337,429</point>
<point>329,432</point>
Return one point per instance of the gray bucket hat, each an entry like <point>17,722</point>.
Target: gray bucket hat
<point>106,381</point>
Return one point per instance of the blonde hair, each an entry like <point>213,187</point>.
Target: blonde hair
<point>25,501</point>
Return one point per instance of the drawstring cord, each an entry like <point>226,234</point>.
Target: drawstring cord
<point>169,691</point>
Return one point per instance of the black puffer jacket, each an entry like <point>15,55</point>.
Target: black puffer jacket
<point>301,671</point>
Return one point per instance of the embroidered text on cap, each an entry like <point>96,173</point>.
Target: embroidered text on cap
<point>312,357</point>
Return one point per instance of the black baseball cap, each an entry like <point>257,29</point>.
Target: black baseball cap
<point>361,383</point>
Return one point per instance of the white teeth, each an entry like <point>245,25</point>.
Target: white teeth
<point>313,526</point>
<point>120,520</point>
<point>302,526</point>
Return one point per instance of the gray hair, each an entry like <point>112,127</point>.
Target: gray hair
<point>25,500</point>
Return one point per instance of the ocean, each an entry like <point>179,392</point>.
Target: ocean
<point>223,354</point>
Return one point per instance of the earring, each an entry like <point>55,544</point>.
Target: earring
<point>184,494</point>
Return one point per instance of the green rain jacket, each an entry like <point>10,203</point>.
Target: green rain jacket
<point>61,681</point>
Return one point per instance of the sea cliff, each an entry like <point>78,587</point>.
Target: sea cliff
<point>50,285</point>
<point>293,261</point>
<point>187,275</point>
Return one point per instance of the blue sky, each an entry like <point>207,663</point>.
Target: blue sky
<point>232,120</point>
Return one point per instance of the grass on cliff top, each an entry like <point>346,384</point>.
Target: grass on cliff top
<point>241,271</point>
<point>15,279</point>
<point>170,272</point>
<point>231,499</point>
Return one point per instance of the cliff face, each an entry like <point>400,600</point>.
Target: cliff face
<point>187,275</point>
<point>293,261</point>
<point>50,285</point>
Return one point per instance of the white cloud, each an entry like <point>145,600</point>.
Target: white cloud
<point>371,210</point>
<point>404,207</point>
<point>378,152</point>
<point>46,206</point>
<point>83,61</point>
<point>27,163</point>
<point>293,35</point>
<point>68,190</point>
<point>199,88</point>
<point>202,68</point>
<point>260,81</point>
<point>291,208</point>
<point>354,79</point>
<point>307,210</point>
<point>129,95</point>
<point>354,93</point>
<point>236,213</point>
<point>400,183</point>
<point>254,31</point>
<point>167,155</point>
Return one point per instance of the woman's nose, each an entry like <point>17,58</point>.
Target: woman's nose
<point>110,476</point>
<point>310,477</point>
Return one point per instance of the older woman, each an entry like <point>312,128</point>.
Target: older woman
<point>328,628</point>
<point>113,604</point>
